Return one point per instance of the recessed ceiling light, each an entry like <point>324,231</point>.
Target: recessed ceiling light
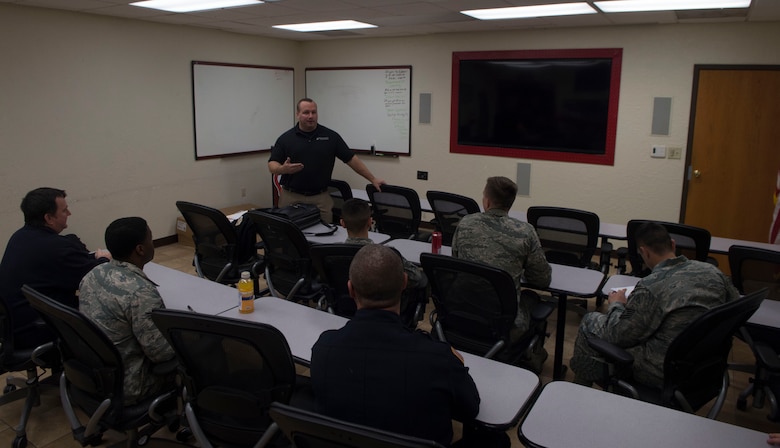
<point>668,5</point>
<point>326,26</point>
<point>523,12</point>
<point>193,5</point>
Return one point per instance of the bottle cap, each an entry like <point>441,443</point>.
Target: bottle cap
<point>245,275</point>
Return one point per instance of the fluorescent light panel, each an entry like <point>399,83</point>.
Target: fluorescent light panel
<point>193,5</point>
<point>524,12</point>
<point>325,26</point>
<point>668,5</point>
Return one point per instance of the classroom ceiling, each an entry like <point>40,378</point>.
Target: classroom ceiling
<point>393,17</point>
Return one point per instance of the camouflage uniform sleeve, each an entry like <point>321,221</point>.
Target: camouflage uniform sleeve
<point>536,270</point>
<point>455,242</point>
<point>630,324</point>
<point>416,276</point>
<point>148,335</point>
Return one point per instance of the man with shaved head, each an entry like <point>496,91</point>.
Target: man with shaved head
<point>376,372</point>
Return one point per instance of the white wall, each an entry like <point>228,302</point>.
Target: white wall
<point>102,107</point>
<point>657,61</point>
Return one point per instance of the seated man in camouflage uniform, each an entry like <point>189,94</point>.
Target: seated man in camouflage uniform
<point>356,218</point>
<point>119,298</point>
<point>676,292</point>
<point>496,239</point>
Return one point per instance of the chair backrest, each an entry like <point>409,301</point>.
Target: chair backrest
<point>753,269</point>
<point>332,264</point>
<point>476,304</point>
<point>691,241</point>
<point>93,367</point>
<point>340,191</point>
<point>698,357</point>
<point>311,430</point>
<point>449,208</point>
<point>233,370</point>
<point>216,241</point>
<point>286,251</point>
<point>397,210</point>
<point>568,236</point>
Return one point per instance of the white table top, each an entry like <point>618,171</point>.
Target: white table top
<point>567,415</point>
<point>180,291</point>
<point>767,315</point>
<point>411,249</point>
<point>619,281</point>
<point>574,281</point>
<point>720,245</point>
<point>504,389</point>
<point>339,236</point>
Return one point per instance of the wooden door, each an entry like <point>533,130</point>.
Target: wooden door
<point>733,151</point>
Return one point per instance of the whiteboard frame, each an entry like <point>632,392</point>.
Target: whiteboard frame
<point>335,114</point>
<point>256,117</point>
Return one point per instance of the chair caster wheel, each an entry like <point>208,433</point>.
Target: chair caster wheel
<point>9,388</point>
<point>20,442</point>
<point>741,404</point>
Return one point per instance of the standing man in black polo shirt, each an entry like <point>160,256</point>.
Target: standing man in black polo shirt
<point>305,156</point>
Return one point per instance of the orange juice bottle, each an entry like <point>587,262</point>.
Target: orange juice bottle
<point>246,293</point>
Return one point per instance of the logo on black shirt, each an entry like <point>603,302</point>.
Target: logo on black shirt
<point>322,138</point>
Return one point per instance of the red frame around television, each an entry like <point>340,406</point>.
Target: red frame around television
<point>607,158</point>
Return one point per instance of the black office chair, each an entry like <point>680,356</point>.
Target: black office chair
<point>332,261</point>
<point>568,236</point>
<point>93,380</point>
<point>476,306</point>
<point>753,269</point>
<point>288,269</point>
<point>397,212</point>
<point>340,191</point>
<point>221,254</point>
<point>233,370</point>
<point>696,362</point>
<point>693,242</point>
<point>449,208</point>
<point>13,359</point>
<point>310,430</point>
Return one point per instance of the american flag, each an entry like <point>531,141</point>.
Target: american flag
<point>774,230</point>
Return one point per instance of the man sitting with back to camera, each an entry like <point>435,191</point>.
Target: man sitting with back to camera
<point>496,239</point>
<point>119,298</point>
<point>376,372</point>
<point>356,218</point>
<point>676,292</point>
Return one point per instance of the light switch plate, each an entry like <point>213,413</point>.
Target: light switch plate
<point>658,152</point>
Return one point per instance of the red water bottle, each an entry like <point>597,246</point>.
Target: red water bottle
<point>436,242</point>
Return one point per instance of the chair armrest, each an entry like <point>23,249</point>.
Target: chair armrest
<point>45,355</point>
<point>542,310</point>
<point>611,352</point>
<point>767,356</point>
<point>165,367</point>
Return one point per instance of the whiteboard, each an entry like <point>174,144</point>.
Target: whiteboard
<point>240,109</point>
<point>369,106</point>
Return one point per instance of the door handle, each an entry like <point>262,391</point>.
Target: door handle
<point>696,173</point>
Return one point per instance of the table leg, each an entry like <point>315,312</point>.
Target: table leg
<point>560,330</point>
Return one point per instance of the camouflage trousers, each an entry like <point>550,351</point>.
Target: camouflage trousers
<point>583,362</point>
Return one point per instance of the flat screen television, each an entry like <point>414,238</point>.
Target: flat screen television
<point>539,104</point>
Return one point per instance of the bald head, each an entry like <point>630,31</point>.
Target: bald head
<point>376,277</point>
